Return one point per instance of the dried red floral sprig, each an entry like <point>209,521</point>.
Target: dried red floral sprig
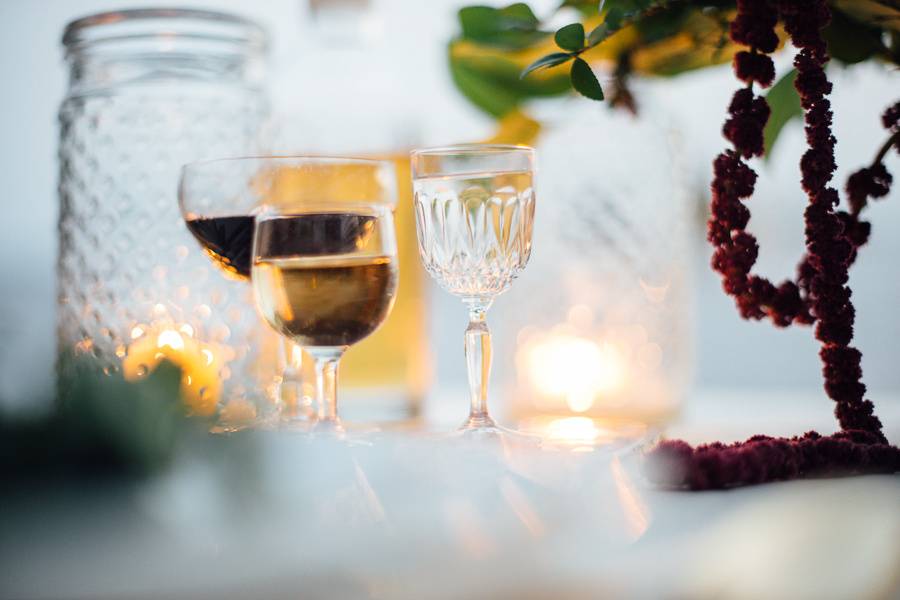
<point>891,120</point>
<point>820,293</point>
<point>761,459</point>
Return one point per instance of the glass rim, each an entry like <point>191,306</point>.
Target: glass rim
<point>472,149</point>
<point>268,212</point>
<point>380,169</point>
<point>245,31</point>
<point>287,158</point>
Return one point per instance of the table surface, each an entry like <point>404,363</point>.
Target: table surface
<point>408,516</point>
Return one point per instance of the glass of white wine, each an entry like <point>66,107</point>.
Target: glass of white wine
<point>324,264</point>
<point>474,217</point>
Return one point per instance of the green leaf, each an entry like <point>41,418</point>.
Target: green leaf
<point>513,27</point>
<point>663,24</point>
<point>883,14</point>
<point>588,8</point>
<point>493,82</point>
<point>620,13</point>
<point>479,22</point>
<point>482,91</point>
<point>519,13</point>
<point>599,33</point>
<point>614,18</point>
<point>545,62</point>
<point>570,37</point>
<point>506,73</point>
<point>584,81</point>
<point>515,39</point>
<point>850,41</point>
<point>134,424</point>
<point>784,103</point>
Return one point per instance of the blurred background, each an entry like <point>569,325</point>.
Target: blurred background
<point>412,37</point>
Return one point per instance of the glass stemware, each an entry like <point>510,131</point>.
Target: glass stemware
<point>474,216</point>
<point>218,200</point>
<point>324,261</point>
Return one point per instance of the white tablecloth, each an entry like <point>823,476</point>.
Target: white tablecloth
<point>278,516</point>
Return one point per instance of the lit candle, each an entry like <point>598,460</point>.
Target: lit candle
<point>586,383</point>
<point>200,362</point>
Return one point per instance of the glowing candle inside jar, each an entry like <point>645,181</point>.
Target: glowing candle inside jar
<point>200,362</point>
<point>575,369</point>
<point>573,382</point>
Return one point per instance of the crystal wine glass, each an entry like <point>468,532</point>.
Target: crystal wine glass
<point>324,262</point>
<point>474,215</point>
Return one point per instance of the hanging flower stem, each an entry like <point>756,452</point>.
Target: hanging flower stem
<point>819,294</point>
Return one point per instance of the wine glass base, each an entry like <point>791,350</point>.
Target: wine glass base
<point>337,430</point>
<point>490,433</point>
<point>261,424</point>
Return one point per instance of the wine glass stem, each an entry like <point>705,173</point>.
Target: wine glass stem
<point>290,389</point>
<point>478,362</point>
<point>326,363</point>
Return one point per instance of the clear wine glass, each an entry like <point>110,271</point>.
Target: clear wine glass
<point>218,200</point>
<point>324,262</point>
<point>474,216</point>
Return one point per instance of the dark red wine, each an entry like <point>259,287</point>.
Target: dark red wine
<point>229,240</point>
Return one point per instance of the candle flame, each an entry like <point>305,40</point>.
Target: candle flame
<point>574,368</point>
<point>171,339</point>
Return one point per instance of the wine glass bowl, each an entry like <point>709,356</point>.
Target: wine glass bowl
<point>475,229</point>
<point>218,199</point>
<point>321,279</point>
<point>474,218</point>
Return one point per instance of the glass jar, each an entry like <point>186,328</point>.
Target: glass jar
<point>599,327</point>
<point>150,90</point>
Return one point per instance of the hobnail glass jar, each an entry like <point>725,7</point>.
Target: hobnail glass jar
<point>150,90</point>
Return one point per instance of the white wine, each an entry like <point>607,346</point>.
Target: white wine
<point>331,300</point>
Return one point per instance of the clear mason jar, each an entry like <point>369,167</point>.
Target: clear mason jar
<point>598,332</point>
<point>150,90</point>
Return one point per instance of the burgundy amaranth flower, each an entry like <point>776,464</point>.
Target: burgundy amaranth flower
<point>811,81</point>
<point>820,294</point>
<point>674,463</point>
<point>754,25</point>
<point>803,20</point>
<point>817,166</point>
<point>744,129</point>
<point>736,249</point>
<point>891,118</point>
<point>749,66</point>
<point>874,181</point>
